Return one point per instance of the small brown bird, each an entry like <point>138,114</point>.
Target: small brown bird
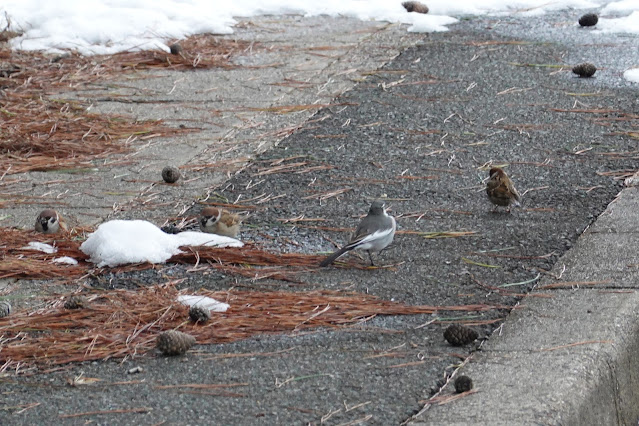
<point>501,190</point>
<point>220,222</point>
<point>415,6</point>
<point>49,222</point>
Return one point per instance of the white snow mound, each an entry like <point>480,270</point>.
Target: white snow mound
<point>65,260</point>
<point>120,242</point>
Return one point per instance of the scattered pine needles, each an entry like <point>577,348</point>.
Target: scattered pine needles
<point>39,132</point>
<point>125,322</point>
<point>16,261</point>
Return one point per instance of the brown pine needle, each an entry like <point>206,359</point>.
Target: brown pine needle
<point>323,196</point>
<point>94,413</point>
<point>472,262</point>
<point>202,386</point>
<point>589,111</point>
<point>446,399</point>
<point>449,234</point>
<point>407,364</point>
<point>125,322</point>
<point>588,342</point>
<point>572,284</point>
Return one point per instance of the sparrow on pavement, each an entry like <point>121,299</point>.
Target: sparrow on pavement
<point>374,233</point>
<point>501,190</point>
<point>49,222</point>
<point>221,222</point>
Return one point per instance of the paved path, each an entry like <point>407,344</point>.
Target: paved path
<point>415,129</point>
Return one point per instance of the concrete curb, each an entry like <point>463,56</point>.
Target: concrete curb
<point>568,359</point>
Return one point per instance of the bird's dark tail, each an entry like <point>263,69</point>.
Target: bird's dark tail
<point>333,257</point>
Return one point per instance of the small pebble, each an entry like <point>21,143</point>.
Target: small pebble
<point>135,370</point>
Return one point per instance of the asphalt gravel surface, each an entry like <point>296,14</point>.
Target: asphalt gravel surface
<point>420,133</point>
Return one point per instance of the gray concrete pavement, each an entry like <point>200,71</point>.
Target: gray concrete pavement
<point>562,359</point>
<point>294,61</point>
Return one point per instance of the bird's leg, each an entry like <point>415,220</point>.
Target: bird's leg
<point>370,256</point>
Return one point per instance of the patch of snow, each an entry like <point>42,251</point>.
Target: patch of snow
<point>66,260</point>
<point>111,26</point>
<point>43,247</point>
<point>204,302</point>
<point>121,242</point>
<point>632,75</point>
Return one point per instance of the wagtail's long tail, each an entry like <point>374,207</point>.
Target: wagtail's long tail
<point>333,257</point>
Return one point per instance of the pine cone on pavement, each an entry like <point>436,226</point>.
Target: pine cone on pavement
<point>174,342</point>
<point>463,384</point>
<point>199,314</point>
<point>458,335</point>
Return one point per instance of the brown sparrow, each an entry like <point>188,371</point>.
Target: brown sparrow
<point>49,222</point>
<point>501,190</point>
<point>221,222</point>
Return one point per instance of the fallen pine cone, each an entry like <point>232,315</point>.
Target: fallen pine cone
<point>589,20</point>
<point>458,335</point>
<point>463,384</point>
<point>74,302</point>
<point>584,70</point>
<point>174,342</point>
<point>5,308</point>
<point>170,174</point>
<point>415,6</point>
<point>175,49</point>
<point>199,314</point>
<point>171,229</point>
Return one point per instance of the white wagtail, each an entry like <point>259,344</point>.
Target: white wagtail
<point>374,233</point>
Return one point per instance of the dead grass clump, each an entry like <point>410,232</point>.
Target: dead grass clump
<point>39,132</point>
<point>18,261</point>
<point>124,323</point>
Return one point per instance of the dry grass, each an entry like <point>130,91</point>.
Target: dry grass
<point>124,323</point>
<point>16,261</point>
<point>40,132</point>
